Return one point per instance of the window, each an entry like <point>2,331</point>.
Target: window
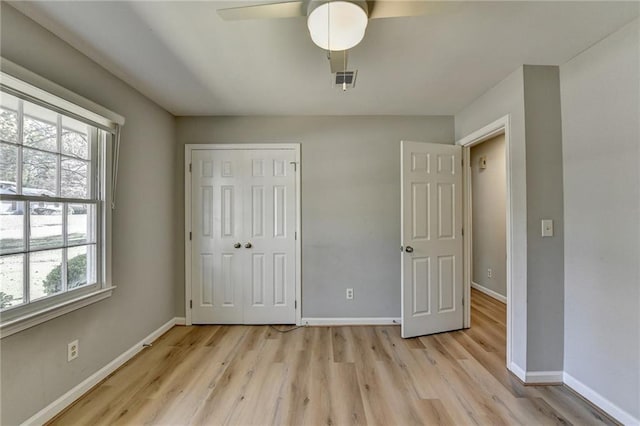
<point>54,209</point>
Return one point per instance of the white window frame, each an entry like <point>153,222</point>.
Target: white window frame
<point>33,88</point>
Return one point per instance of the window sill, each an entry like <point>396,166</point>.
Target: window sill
<point>29,320</point>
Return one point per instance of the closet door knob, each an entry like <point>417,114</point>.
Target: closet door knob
<point>248,245</point>
<point>408,249</point>
<point>237,245</point>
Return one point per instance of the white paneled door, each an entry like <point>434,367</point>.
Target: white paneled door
<point>243,219</point>
<point>431,204</point>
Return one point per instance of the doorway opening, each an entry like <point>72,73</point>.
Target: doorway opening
<point>488,218</point>
<point>487,169</point>
<point>488,241</point>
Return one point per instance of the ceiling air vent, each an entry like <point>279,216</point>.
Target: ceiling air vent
<point>345,79</point>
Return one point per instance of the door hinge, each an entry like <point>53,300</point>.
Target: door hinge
<point>463,232</point>
<point>189,167</point>
<point>295,165</point>
<point>190,235</point>
<point>463,301</point>
<point>295,304</point>
<point>190,304</point>
<point>295,235</point>
<point>462,162</point>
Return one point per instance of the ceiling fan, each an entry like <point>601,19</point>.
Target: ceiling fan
<point>334,25</point>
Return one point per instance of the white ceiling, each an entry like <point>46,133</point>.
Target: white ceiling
<point>189,61</point>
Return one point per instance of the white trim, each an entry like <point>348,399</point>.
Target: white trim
<point>501,125</point>
<point>517,371</point>
<point>187,230</point>
<point>29,83</point>
<point>325,322</point>
<point>188,148</point>
<point>299,236</point>
<point>487,132</point>
<point>207,146</point>
<point>467,246</point>
<point>181,321</point>
<point>51,410</point>
<point>489,292</point>
<point>599,401</point>
<point>27,321</point>
<point>543,377</point>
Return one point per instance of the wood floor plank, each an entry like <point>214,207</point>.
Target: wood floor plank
<point>345,395</point>
<point>321,347</point>
<point>433,412</point>
<point>342,344</point>
<point>295,407</point>
<point>259,375</point>
<point>378,410</point>
<point>411,368</point>
<point>483,409</point>
<point>573,407</point>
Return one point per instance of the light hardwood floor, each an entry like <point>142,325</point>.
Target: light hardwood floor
<point>245,375</point>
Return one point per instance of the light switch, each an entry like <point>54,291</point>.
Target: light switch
<point>547,228</point>
<point>483,162</point>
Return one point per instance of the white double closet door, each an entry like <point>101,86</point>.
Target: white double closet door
<point>243,218</point>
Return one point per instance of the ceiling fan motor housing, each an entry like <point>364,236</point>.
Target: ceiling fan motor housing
<point>337,24</point>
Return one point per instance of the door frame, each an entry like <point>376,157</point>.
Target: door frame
<point>498,127</point>
<point>188,149</point>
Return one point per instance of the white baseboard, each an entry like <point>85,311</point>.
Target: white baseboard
<point>350,321</point>
<point>181,320</point>
<point>489,292</point>
<point>540,377</point>
<point>51,410</point>
<point>600,401</point>
<point>536,377</point>
<point>519,372</point>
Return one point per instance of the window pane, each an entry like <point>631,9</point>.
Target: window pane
<point>39,173</point>
<point>80,266</point>
<point>45,273</point>
<point>75,140</point>
<point>11,280</point>
<point>8,118</point>
<point>46,225</point>
<point>81,224</point>
<point>11,226</point>
<point>40,127</point>
<point>74,181</point>
<point>8,168</point>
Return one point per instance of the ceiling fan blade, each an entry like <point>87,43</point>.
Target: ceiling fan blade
<point>291,9</point>
<point>338,61</point>
<point>398,8</point>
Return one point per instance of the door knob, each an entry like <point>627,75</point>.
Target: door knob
<point>237,245</point>
<point>248,245</point>
<point>408,249</point>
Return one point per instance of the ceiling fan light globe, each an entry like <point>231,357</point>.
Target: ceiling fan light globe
<point>337,25</point>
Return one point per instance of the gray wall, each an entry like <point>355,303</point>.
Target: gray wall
<point>350,200</point>
<point>531,98</point>
<point>600,110</point>
<point>488,188</point>
<point>34,367</point>
<point>545,256</point>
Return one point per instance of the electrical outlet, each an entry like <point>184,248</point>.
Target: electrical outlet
<point>73,351</point>
<point>349,294</point>
<point>489,273</point>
